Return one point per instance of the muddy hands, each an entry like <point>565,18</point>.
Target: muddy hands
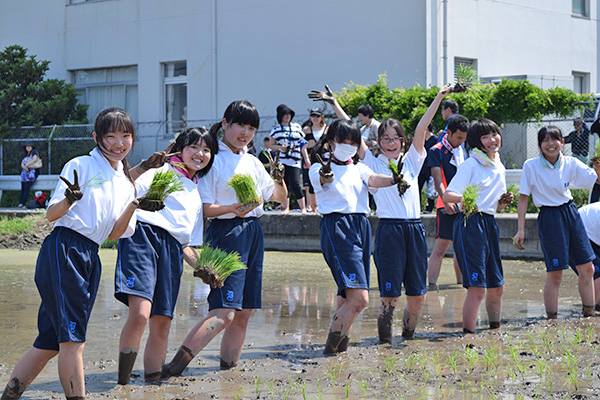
<point>150,205</point>
<point>277,168</point>
<point>73,191</point>
<point>325,172</point>
<point>398,178</point>
<point>507,198</point>
<point>157,160</point>
<point>326,96</point>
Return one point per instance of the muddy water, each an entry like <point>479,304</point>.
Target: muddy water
<point>285,338</point>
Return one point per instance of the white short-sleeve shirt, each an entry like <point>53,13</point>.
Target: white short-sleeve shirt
<point>347,194</point>
<point>213,186</point>
<point>551,187</point>
<point>182,212</point>
<point>590,214</point>
<point>490,179</point>
<point>389,203</point>
<point>106,193</point>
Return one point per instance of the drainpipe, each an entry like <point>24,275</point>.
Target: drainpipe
<point>214,58</point>
<point>445,41</point>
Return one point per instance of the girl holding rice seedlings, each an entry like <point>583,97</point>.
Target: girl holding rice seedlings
<point>341,187</point>
<point>233,228</point>
<point>150,262</point>
<point>480,181</point>
<point>68,267</point>
<point>548,179</point>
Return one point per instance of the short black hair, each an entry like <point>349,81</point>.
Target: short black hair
<point>479,128</point>
<point>553,131</point>
<point>366,109</point>
<point>458,123</point>
<point>451,104</point>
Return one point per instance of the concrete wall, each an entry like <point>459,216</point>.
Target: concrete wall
<point>295,232</point>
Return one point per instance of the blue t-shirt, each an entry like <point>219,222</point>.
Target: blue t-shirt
<point>440,156</point>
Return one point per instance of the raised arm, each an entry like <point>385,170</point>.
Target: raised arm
<point>421,129</point>
<point>328,97</point>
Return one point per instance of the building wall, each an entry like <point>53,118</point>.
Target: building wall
<point>275,51</point>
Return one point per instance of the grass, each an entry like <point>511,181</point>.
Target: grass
<point>16,226</point>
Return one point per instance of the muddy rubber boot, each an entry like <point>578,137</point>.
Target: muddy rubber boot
<point>385,326</point>
<point>343,346</point>
<point>152,377</point>
<point>181,360</point>
<point>552,315</point>
<point>227,365</point>
<point>126,360</point>
<point>494,324</point>
<point>13,390</point>
<point>333,343</point>
<point>408,334</point>
<point>588,311</point>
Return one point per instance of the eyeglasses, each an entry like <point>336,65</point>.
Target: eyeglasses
<point>387,140</point>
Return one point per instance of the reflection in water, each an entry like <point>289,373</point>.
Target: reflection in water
<point>299,298</point>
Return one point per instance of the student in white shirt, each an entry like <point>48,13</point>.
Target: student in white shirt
<point>150,263</point>
<point>230,230</point>
<point>341,187</point>
<point>68,265</point>
<point>549,179</point>
<point>476,238</point>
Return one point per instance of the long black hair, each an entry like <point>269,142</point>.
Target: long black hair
<point>114,119</point>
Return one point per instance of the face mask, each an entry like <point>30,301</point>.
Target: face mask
<point>343,152</point>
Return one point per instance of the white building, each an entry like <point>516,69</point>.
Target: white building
<point>167,60</point>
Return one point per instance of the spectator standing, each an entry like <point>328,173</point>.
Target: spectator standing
<point>369,127</point>
<point>449,110</point>
<point>580,140</point>
<point>28,174</point>
<point>286,138</point>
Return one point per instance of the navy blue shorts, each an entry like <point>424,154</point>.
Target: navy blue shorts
<point>346,246</point>
<point>477,249</point>
<point>67,275</point>
<point>242,288</point>
<point>596,261</point>
<point>444,224</point>
<point>401,257</point>
<point>149,265</point>
<point>563,237</point>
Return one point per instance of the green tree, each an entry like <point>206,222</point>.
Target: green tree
<point>26,99</point>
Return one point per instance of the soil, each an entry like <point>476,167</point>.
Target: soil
<point>209,276</point>
<point>31,240</point>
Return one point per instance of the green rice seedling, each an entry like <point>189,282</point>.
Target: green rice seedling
<point>163,184</point>
<point>591,330</point>
<point>390,363</point>
<point>547,342</point>
<point>452,361</point>
<point>245,191</point>
<point>572,376</point>
<point>490,355</point>
<point>94,182</point>
<point>214,265</point>
<point>347,390</point>
<point>396,171</point>
<point>466,77</point>
<point>469,200</point>
<point>257,386</point>
<point>470,357</point>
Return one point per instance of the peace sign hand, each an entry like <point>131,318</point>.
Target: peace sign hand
<point>73,191</point>
<point>157,160</point>
<point>277,168</point>
<point>326,96</point>
<point>325,172</point>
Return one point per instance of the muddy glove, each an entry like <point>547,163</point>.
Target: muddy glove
<point>398,178</point>
<point>325,172</point>
<point>157,160</point>
<point>73,191</point>
<point>277,168</point>
<point>148,205</point>
<point>326,96</point>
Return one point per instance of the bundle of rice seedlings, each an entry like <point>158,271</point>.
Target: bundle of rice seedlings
<point>245,191</point>
<point>466,77</point>
<point>214,265</point>
<point>505,198</point>
<point>596,159</point>
<point>163,184</point>
<point>396,172</point>
<point>469,200</point>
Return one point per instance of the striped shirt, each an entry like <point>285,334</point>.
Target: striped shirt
<point>289,135</point>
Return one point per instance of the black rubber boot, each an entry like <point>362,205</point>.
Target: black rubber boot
<point>181,360</point>
<point>13,390</point>
<point>333,343</point>
<point>343,346</point>
<point>227,365</point>
<point>494,324</point>
<point>385,325</point>
<point>126,360</point>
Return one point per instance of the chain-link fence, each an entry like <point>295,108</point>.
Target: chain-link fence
<point>58,144</point>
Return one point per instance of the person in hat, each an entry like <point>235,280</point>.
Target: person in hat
<point>580,140</point>
<point>286,138</point>
<point>313,133</point>
<point>28,174</point>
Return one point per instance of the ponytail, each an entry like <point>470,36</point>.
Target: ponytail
<point>214,132</point>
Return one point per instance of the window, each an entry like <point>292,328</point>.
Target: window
<point>581,82</point>
<point>469,62</point>
<point>175,89</point>
<point>107,87</point>
<point>581,8</point>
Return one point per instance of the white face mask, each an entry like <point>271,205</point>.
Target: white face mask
<point>343,151</point>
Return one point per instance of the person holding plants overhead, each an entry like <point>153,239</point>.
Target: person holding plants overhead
<point>549,178</point>
<point>234,227</point>
<point>480,187</point>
